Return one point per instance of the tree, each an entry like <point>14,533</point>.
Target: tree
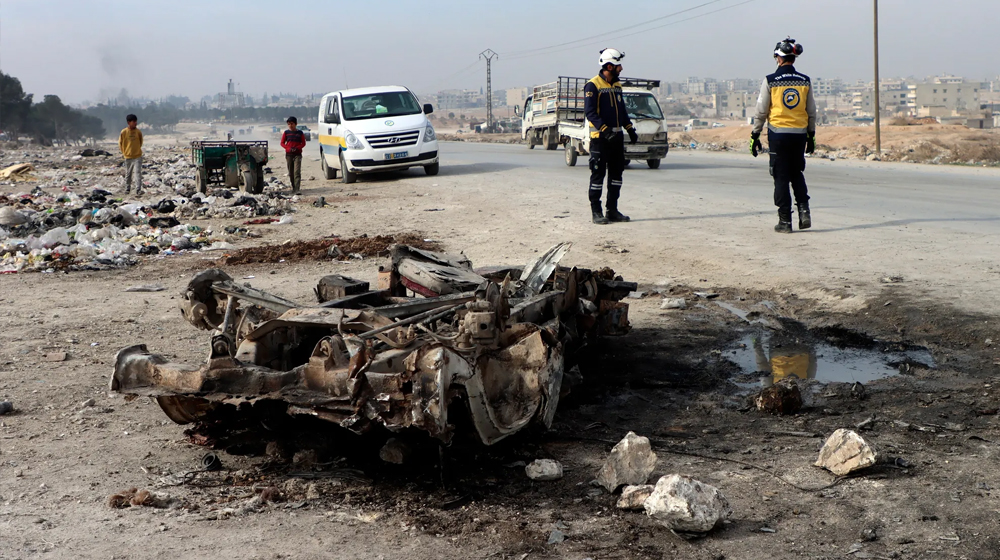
<point>15,106</point>
<point>451,115</point>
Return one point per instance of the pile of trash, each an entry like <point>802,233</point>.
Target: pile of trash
<point>40,231</point>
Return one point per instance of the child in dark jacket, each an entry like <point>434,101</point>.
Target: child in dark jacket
<point>293,141</point>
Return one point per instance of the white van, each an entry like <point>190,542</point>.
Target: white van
<point>375,129</point>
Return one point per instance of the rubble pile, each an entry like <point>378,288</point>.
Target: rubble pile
<point>340,248</point>
<point>71,219</point>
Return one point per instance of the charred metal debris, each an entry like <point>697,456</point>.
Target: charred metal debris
<point>499,341</point>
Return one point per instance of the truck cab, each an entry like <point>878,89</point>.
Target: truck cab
<point>368,130</point>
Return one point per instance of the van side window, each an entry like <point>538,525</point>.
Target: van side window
<point>331,108</point>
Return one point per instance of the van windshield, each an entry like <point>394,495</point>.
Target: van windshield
<point>642,106</point>
<point>378,105</point>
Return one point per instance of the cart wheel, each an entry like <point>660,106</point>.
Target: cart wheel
<point>328,172</point>
<point>260,182</point>
<point>346,175</point>
<point>249,184</point>
<point>201,180</point>
<point>570,154</point>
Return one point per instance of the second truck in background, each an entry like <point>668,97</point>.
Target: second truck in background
<point>554,115</point>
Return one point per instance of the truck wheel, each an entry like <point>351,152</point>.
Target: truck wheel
<point>201,180</point>
<point>550,138</point>
<point>570,154</point>
<point>653,163</point>
<point>432,169</point>
<point>328,172</point>
<point>529,138</point>
<point>346,175</point>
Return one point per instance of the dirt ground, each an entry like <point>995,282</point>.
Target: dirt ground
<point>70,444</point>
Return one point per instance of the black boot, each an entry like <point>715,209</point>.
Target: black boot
<point>598,215</point>
<point>615,216</point>
<point>805,220</point>
<point>784,222</point>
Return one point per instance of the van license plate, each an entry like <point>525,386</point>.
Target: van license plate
<point>397,155</point>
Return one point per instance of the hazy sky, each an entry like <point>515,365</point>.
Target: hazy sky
<point>83,49</point>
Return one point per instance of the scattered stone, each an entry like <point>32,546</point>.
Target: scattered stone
<point>278,451</point>
<point>88,403</point>
<point>781,398</point>
<point>145,288</point>
<point>55,357</point>
<point>707,295</point>
<point>305,458</point>
<point>681,503</point>
<point>556,536</point>
<point>891,279</point>
<point>869,534</point>
<point>395,451</point>
<point>673,303</point>
<point>631,462</point>
<point>845,452</point>
<point>544,470</point>
<point>271,494</point>
<point>633,497</point>
<point>5,407</point>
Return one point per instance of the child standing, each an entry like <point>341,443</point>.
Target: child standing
<point>293,141</point>
<point>130,143</point>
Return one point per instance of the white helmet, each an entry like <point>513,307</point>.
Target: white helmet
<point>611,56</point>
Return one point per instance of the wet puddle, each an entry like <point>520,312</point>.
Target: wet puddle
<point>767,357</point>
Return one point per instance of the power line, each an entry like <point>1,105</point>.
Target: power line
<point>513,57</point>
<point>512,53</point>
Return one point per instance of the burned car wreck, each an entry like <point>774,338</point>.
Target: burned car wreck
<point>498,342</point>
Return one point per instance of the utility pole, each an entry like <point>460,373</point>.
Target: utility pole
<point>489,55</point>
<point>878,106</point>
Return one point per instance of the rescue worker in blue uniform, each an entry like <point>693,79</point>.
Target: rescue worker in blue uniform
<point>605,110</point>
<point>786,103</point>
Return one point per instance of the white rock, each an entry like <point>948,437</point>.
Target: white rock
<point>845,452</point>
<point>681,503</point>
<point>544,469</point>
<point>11,217</point>
<point>673,303</point>
<point>631,462</point>
<point>633,497</point>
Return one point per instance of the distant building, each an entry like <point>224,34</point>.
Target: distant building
<point>734,104</point>
<point>230,98</point>
<point>944,96</point>
<point>459,99</point>
<point>517,96</point>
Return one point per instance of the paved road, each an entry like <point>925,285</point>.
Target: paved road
<point>937,226</point>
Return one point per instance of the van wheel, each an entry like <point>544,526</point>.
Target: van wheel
<point>570,154</point>
<point>346,175</point>
<point>627,162</point>
<point>653,163</point>
<point>328,172</point>
<point>432,169</point>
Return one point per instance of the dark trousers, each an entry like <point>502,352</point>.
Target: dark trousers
<point>606,158</point>
<point>294,170</point>
<point>788,161</point>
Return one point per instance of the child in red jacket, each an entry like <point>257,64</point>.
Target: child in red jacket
<point>293,141</point>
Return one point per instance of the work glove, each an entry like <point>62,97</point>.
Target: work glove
<point>755,146</point>
<point>607,134</point>
<point>811,143</point>
<point>633,137</point>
